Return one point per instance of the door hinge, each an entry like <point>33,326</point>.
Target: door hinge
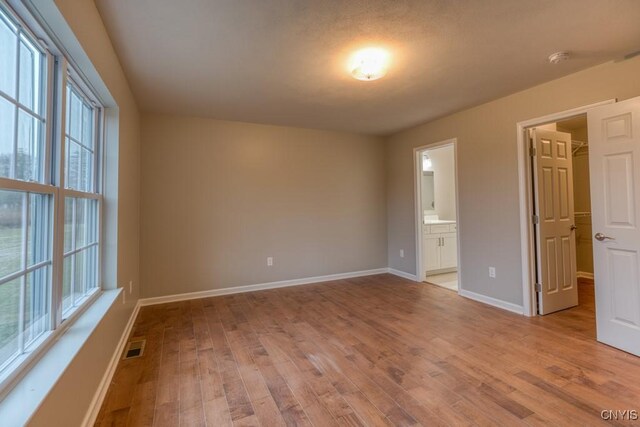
<point>535,219</point>
<point>538,287</point>
<point>532,150</point>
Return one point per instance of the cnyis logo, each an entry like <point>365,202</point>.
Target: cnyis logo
<point>619,415</point>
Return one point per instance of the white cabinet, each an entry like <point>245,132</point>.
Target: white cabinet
<point>440,247</point>
<point>449,250</point>
<point>431,251</point>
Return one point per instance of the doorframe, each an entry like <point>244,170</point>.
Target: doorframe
<point>525,193</point>
<point>417,174</point>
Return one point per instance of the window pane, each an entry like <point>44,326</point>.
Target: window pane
<point>80,276</point>
<point>7,125</point>
<point>37,303</point>
<point>9,314</point>
<point>87,126</point>
<point>73,165</point>
<point>30,68</point>
<point>30,158</point>
<point>80,143</point>
<point>79,166</point>
<point>66,283</point>
<point>8,56</point>
<point>92,269</point>
<point>38,238</point>
<point>11,226</point>
<point>81,225</point>
<point>74,111</point>
<point>80,268</point>
<point>86,277</point>
<point>68,224</point>
<point>86,170</point>
<point>84,230</point>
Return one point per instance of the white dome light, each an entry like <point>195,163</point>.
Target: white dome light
<point>369,64</point>
<point>558,57</point>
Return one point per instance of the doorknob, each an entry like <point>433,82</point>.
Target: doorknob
<point>573,227</point>
<point>601,237</point>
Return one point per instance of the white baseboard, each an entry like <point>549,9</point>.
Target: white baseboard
<point>399,273</point>
<point>584,275</point>
<point>101,392</point>
<point>258,287</point>
<point>514,308</point>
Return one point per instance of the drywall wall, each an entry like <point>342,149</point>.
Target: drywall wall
<point>76,387</point>
<point>488,174</point>
<point>220,197</point>
<point>444,176</point>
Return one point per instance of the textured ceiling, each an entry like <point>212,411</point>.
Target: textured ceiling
<point>284,61</point>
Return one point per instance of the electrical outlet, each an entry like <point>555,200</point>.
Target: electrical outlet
<point>270,261</point>
<point>492,272</point>
<point>130,286</point>
<point>401,253</point>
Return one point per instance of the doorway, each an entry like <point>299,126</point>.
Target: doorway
<point>561,212</point>
<point>545,156</point>
<point>437,231</point>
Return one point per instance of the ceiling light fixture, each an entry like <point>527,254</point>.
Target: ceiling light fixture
<point>426,163</point>
<point>369,64</point>
<point>558,57</point>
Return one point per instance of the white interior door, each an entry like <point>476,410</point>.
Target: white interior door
<point>614,156</point>
<point>556,245</point>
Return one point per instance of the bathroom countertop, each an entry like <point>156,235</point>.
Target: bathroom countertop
<point>439,221</point>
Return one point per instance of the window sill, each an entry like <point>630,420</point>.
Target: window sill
<point>29,392</point>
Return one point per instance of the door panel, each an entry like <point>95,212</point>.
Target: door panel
<point>553,187</point>
<point>614,143</point>
<point>618,190</point>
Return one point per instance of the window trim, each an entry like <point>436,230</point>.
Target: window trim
<point>55,71</point>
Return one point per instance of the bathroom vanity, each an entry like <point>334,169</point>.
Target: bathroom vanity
<point>440,245</point>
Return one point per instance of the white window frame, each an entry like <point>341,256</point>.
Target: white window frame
<point>54,79</point>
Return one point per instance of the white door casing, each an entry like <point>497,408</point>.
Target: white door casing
<point>556,247</point>
<point>614,163</point>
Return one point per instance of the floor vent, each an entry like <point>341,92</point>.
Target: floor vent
<point>134,349</point>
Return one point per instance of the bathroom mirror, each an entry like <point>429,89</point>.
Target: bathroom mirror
<point>428,193</point>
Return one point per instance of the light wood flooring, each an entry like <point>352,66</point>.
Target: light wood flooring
<point>370,351</point>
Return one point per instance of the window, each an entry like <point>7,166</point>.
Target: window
<point>81,207</point>
<point>50,202</point>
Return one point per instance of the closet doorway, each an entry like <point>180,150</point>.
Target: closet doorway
<point>437,237</point>
<point>562,214</point>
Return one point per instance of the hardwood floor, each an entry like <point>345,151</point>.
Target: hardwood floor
<point>377,350</point>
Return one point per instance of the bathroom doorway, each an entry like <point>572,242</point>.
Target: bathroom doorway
<point>438,254</point>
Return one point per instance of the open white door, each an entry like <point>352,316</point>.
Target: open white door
<point>614,162</point>
<point>556,245</point>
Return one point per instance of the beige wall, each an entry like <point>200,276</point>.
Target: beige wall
<point>219,197</point>
<point>487,174</point>
<point>69,400</point>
